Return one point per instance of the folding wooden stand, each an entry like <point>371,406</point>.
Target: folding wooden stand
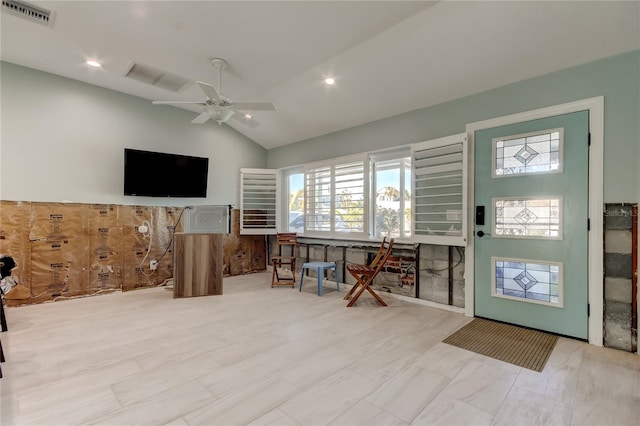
<point>365,274</point>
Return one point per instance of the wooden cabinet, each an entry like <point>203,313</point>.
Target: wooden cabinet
<point>197,264</point>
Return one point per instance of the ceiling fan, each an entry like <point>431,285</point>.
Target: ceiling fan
<point>219,107</point>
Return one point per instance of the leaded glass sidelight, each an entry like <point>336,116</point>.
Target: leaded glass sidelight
<point>533,153</point>
<point>528,280</point>
<point>528,217</point>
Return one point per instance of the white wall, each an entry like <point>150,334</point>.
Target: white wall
<point>63,140</point>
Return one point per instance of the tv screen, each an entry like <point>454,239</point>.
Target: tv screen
<point>156,174</point>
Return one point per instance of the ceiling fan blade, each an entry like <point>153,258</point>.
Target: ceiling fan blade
<point>177,102</point>
<point>201,118</point>
<point>209,90</point>
<point>247,121</point>
<point>255,106</point>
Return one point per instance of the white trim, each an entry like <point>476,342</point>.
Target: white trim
<point>494,148</point>
<point>560,200</point>
<point>560,266</point>
<point>595,107</point>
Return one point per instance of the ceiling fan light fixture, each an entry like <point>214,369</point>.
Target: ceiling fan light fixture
<point>220,114</point>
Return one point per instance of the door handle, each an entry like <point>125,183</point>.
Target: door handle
<point>481,234</point>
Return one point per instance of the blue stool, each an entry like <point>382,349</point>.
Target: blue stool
<point>320,267</point>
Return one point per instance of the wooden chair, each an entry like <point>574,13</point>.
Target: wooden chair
<point>365,274</point>
<point>286,249</point>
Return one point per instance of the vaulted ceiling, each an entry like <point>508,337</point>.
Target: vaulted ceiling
<point>387,57</point>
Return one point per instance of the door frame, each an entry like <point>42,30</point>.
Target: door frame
<point>595,106</point>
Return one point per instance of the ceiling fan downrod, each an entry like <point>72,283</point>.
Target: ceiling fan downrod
<point>220,64</point>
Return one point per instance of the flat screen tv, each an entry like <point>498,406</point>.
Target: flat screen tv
<point>157,174</point>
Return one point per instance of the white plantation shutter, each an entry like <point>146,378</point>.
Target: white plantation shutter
<point>350,195</point>
<point>335,197</point>
<point>440,190</point>
<point>258,201</point>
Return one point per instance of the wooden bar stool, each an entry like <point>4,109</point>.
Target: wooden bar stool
<point>320,267</point>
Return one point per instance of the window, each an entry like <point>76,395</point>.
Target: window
<point>415,192</point>
<point>392,194</point>
<point>440,191</point>
<point>335,197</point>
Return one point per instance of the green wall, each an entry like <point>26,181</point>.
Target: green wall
<point>616,78</point>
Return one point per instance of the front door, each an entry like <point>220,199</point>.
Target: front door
<point>530,243</point>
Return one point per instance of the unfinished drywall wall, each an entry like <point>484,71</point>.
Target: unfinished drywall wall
<point>66,250</point>
<point>620,332</point>
<point>442,274</point>
<point>243,254</point>
<point>71,249</point>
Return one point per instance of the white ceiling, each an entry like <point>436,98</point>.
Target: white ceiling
<point>387,57</point>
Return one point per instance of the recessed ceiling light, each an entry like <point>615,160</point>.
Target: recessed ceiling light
<point>247,116</point>
<point>329,81</point>
<point>94,64</point>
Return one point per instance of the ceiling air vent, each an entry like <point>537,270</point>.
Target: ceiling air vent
<point>28,11</point>
<point>156,77</point>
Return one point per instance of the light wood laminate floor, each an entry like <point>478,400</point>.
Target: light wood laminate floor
<point>258,355</point>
